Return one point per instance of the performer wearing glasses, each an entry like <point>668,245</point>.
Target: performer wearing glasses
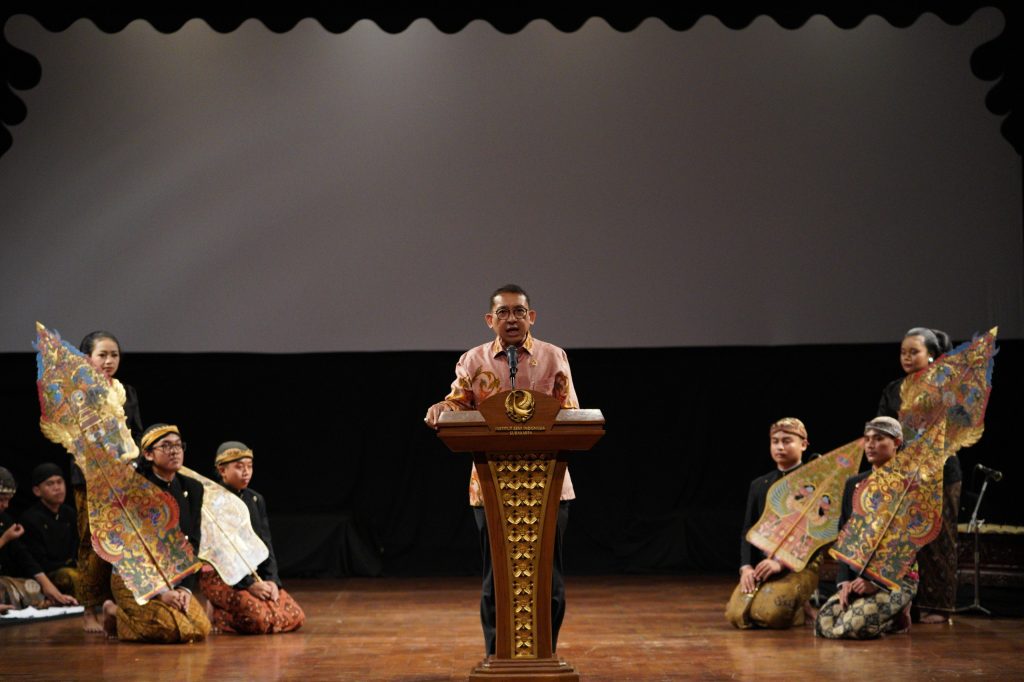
<point>173,616</point>
<point>484,371</point>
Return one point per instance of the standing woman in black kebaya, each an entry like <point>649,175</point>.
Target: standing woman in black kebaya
<point>936,595</point>
<point>104,353</point>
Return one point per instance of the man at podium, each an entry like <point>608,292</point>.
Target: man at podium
<point>513,359</point>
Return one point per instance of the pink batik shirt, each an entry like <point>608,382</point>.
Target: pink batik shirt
<point>483,371</point>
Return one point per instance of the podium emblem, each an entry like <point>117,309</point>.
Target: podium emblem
<point>519,406</point>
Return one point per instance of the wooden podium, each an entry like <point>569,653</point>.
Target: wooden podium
<point>520,442</point>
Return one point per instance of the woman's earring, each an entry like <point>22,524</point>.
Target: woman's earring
<point>931,359</point>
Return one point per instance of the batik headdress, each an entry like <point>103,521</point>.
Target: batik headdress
<point>802,510</point>
<point>896,511</point>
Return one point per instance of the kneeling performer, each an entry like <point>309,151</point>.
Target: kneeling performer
<point>256,605</point>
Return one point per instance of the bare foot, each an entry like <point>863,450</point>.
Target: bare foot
<point>901,623</point>
<point>110,618</point>
<point>92,624</point>
<point>933,618</point>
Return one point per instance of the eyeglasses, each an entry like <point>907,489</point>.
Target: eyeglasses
<point>169,447</point>
<point>519,312</point>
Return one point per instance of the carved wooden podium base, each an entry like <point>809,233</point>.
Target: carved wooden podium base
<point>519,443</point>
<point>493,669</point>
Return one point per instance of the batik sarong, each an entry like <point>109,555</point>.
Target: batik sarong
<point>867,616</point>
<point>93,587</point>
<point>155,621</point>
<point>778,603</point>
<point>21,593</point>
<point>938,559</point>
<point>66,580</point>
<point>240,612</point>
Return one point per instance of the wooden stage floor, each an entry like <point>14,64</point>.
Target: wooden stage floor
<point>616,628</point>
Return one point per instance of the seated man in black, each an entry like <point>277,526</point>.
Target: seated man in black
<point>51,529</point>
<point>21,579</point>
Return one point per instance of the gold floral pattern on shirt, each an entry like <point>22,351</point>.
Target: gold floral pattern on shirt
<point>475,389</point>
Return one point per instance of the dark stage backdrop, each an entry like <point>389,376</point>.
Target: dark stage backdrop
<point>356,484</point>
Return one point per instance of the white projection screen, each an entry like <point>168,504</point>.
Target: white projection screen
<point>365,191</point>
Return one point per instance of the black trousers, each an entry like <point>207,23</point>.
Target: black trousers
<point>489,612</point>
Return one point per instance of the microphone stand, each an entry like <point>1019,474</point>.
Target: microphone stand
<point>975,527</point>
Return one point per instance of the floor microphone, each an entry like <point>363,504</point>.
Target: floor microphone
<point>991,473</point>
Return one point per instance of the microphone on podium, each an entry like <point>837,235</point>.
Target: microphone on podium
<point>513,363</point>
